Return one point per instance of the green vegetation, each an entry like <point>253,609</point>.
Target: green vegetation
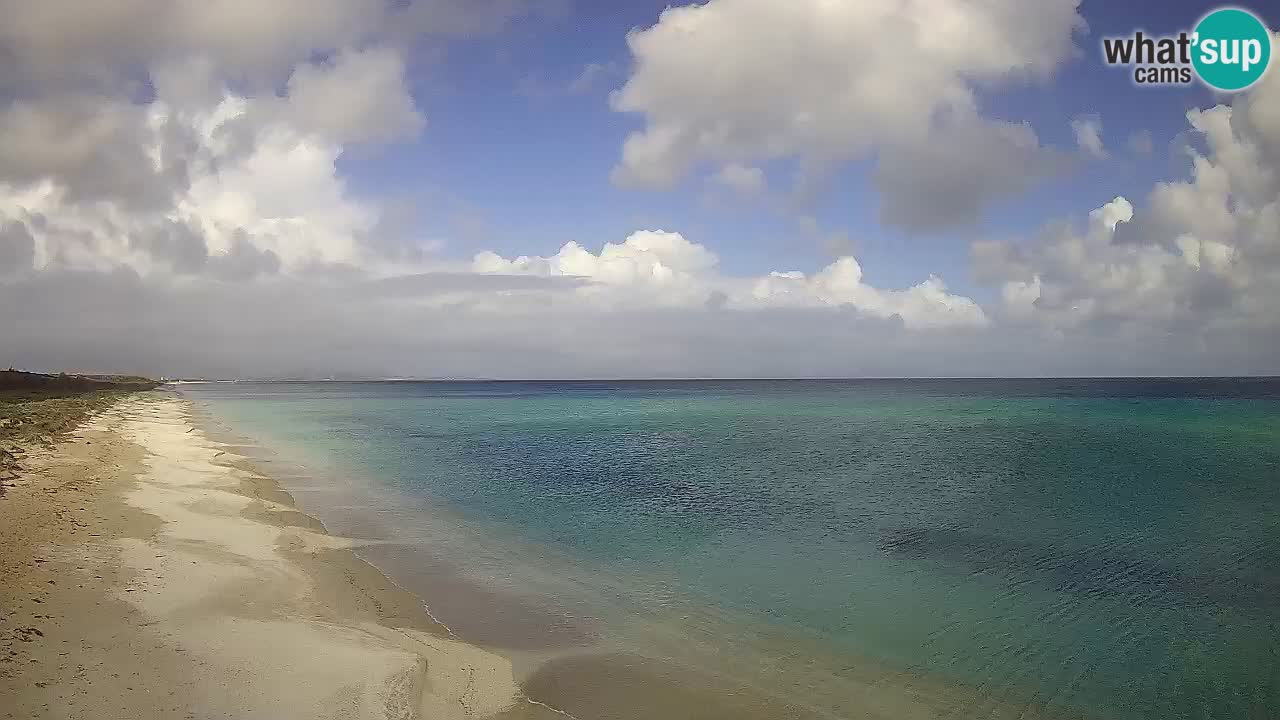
<point>38,409</point>
<point>19,386</point>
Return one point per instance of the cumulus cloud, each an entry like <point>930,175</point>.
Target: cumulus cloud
<point>1198,258</point>
<point>243,178</point>
<point>840,284</point>
<point>197,138</point>
<point>171,202</point>
<point>355,97</point>
<point>663,269</point>
<point>825,83</point>
<point>177,245</point>
<point>96,146</point>
<point>647,256</point>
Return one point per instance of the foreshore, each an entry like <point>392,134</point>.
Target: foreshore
<point>150,569</point>
<point>146,573</point>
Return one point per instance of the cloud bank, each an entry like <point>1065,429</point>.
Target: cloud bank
<point>170,203</point>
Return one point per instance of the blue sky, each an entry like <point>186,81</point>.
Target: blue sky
<point>563,188</point>
<point>512,160</point>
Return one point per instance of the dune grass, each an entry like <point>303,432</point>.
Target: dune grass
<point>38,409</point>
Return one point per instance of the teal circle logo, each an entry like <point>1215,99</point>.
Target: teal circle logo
<point>1231,49</point>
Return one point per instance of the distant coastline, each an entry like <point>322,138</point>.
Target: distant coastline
<point>606,379</point>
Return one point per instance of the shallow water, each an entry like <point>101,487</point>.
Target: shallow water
<point>977,548</point>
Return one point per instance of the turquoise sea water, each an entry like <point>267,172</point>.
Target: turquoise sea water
<point>1083,548</point>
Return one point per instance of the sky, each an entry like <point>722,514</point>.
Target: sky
<point>565,189</point>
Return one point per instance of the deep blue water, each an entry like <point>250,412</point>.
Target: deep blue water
<point>1105,548</point>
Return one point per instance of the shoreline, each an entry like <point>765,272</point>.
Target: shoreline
<point>195,587</point>
<point>587,669</point>
<point>160,571</point>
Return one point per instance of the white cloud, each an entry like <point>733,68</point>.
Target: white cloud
<point>1088,132</point>
<point>1198,257</point>
<point>740,81</point>
<point>840,284</point>
<point>746,181</point>
<point>286,194</point>
<point>357,97</point>
<point>97,147</point>
<point>196,137</point>
<point>663,269</point>
<point>648,269</point>
<point>646,256</point>
<point>273,188</point>
<point>213,190</point>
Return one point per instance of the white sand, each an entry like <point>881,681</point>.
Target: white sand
<point>221,611</point>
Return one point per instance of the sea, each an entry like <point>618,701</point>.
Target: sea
<point>962,548</point>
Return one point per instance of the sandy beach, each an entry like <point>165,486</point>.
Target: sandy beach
<point>151,566</point>
<point>148,569</point>
<point>146,573</point>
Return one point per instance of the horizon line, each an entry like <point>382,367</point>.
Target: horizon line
<point>829,378</point>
